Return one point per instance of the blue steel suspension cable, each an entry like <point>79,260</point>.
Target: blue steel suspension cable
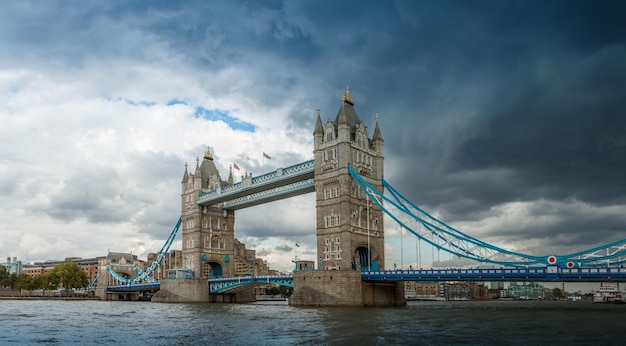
<point>570,257</point>
<point>156,261</point>
<point>365,186</point>
<point>428,225</point>
<point>374,195</point>
<point>403,204</point>
<point>451,230</point>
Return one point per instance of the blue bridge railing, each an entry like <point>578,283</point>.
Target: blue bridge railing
<point>538,274</point>
<point>225,284</point>
<point>549,273</point>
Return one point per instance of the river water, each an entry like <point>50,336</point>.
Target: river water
<point>92,322</point>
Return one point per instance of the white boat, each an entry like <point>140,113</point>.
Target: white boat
<point>608,294</point>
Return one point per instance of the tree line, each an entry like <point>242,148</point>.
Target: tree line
<point>67,275</point>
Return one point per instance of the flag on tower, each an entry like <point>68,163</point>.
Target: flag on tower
<point>266,156</point>
<point>235,166</point>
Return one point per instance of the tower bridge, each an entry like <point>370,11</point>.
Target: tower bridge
<point>350,233</point>
<point>346,175</point>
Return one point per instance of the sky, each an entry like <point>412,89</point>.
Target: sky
<point>506,119</point>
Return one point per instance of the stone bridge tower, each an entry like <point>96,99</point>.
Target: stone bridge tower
<point>350,231</point>
<point>207,232</point>
<point>350,234</point>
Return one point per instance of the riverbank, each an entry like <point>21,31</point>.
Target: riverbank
<point>48,298</point>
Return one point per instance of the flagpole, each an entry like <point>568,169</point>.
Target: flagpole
<point>265,156</point>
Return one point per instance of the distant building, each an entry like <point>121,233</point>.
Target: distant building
<point>88,265</point>
<point>172,260</point>
<point>433,290</point>
<point>246,262</point>
<point>13,267</point>
<point>531,290</point>
<point>495,285</point>
<point>464,290</point>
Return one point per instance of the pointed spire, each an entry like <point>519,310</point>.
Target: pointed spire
<point>319,129</point>
<point>197,172</point>
<point>377,134</point>
<point>230,176</point>
<point>186,175</point>
<point>343,118</point>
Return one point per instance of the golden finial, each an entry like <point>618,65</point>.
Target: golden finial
<point>346,96</point>
<point>208,155</point>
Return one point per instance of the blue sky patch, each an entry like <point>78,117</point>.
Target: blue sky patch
<point>218,114</point>
<point>176,102</point>
<point>141,103</point>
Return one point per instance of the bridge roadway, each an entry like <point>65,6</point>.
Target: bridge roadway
<point>538,274</point>
<point>279,184</point>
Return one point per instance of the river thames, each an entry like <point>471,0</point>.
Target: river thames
<point>92,322</point>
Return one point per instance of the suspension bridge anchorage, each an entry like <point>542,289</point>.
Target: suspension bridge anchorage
<point>133,279</point>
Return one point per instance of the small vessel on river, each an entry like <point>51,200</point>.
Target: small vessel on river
<point>608,294</point>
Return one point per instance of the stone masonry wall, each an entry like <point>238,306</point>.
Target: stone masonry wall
<point>327,288</point>
<point>182,291</point>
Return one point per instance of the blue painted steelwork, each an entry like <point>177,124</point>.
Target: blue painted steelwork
<point>287,190</point>
<point>548,273</point>
<point>539,274</point>
<point>93,283</point>
<point>134,287</point>
<point>446,238</point>
<point>221,285</point>
<point>217,285</point>
<point>146,275</point>
<point>284,182</point>
<point>596,264</point>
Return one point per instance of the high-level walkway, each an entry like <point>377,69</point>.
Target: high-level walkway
<point>279,184</point>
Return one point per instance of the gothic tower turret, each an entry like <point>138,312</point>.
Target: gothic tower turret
<point>208,231</point>
<point>349,227</point>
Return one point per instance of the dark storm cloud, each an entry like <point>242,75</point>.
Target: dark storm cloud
<point>532,108</point>
<point>487,104</point>
<point>481,103</point>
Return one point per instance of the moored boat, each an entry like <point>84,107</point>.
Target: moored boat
<point>608,294</point>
